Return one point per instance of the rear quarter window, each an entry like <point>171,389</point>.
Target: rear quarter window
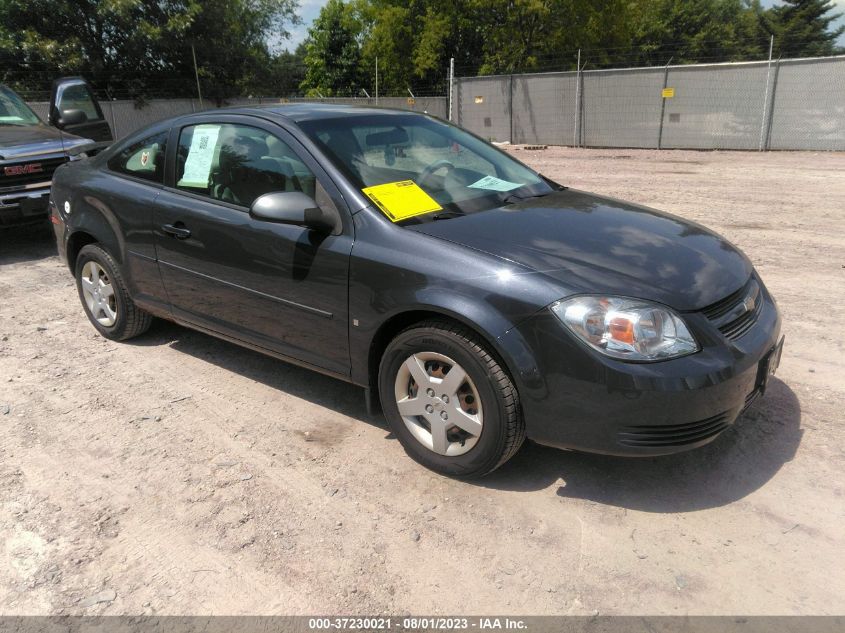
<point>144,159</point>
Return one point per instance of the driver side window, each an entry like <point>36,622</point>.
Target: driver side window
<point>238,163</point>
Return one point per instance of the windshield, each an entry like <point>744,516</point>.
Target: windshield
<point>13,111</point>
<point>462,173</point>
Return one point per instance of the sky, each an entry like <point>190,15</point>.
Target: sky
<point>310,9</point>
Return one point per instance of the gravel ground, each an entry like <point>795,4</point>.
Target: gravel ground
<point>178,474</point>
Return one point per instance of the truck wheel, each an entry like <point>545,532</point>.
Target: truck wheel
<point>449,401</point>
<point>105,298</point>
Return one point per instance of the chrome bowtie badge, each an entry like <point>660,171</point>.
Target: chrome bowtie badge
<point>749,302</point>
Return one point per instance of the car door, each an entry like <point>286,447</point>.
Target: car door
<point>281,287</point>
<point>70,96</point>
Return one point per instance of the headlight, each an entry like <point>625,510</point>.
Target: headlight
<point>630,329</point>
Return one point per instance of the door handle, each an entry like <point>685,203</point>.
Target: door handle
<point>177,231</point>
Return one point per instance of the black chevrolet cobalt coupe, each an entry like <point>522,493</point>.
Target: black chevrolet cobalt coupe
<point>479,302</point>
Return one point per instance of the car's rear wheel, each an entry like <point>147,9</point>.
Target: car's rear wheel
<point>104,296</point>
<point>449,401</point>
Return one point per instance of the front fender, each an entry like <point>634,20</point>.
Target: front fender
<point>509,346</point>
<point>399,276</point>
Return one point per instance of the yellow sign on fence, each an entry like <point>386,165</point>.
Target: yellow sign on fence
<point>668,93</point>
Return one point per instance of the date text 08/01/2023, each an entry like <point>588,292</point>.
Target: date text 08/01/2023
<point>416,623</point>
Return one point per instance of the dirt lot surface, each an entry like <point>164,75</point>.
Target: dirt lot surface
<point>178,474</point>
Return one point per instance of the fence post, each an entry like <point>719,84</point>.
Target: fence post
<point>575,127</point>
<point>113,120</point>
<point>663,104</point>
<point>768,137</point>
<point>451,84</point>
<point>459,118</point>
<point>581,116</point>
<point>197,75</point>
<point>510,109</point>
<point>766,96</point>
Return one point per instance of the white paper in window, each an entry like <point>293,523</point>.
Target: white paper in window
<point>491,183</point>
<point>200,157</point>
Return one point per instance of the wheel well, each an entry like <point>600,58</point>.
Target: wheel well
<point>390,328</point>
<point>74,244</point>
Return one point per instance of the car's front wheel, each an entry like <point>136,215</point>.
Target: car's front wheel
<point>104,296</point>
<point>449,401</point>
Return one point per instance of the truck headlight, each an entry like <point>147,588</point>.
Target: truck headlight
<point>630,329</point>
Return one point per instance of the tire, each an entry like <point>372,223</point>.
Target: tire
<point>113,314</point>
<point>487,400</point>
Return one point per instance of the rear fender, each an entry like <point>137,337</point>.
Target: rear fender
<point>92,216</point>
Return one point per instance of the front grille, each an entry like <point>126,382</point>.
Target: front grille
<point>721,308</point>
<point>732,315</point>
<point>674,434</point>
<point>740,326</point>
<point>14,181</point>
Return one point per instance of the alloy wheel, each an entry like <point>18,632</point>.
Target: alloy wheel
<point>99,293</point>
<point>439,403</point>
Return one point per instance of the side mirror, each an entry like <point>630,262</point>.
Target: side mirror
<point>291,207</point>
<point>71,117</point>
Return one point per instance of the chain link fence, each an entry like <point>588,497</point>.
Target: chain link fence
<point>126,116</point>
<point>792,104</point>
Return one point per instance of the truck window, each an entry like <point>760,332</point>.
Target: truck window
<point>77,97</point>
<point>13,111</point>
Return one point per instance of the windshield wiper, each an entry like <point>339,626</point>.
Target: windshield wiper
<point>445,215</point>
<point>512,197</point>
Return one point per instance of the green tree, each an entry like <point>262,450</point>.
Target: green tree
<point>446,29</point>
<point>755,29</point>
<point>694,30</point>
<point>141,47</point>
<point>519,32</point>
<point>333,52</point>
<point>552,31</point>
<point>414,39</point>
<point>285,73</point>
<point>803,28</point>
<point>389,38</point>
<point>230,39</point>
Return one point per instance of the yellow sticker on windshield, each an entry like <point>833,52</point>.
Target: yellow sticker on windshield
<point>401,200</point>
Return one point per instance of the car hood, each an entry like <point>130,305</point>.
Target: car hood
<point>24,141</point>
<point>592,244</point>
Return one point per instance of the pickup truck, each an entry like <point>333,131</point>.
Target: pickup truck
<point>31,150</point>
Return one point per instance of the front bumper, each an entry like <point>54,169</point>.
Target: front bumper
<point>24,206</point>
<point>573,397</point>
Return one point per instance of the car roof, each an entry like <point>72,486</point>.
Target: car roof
<point>294,112</point>
<point>298,112</point>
